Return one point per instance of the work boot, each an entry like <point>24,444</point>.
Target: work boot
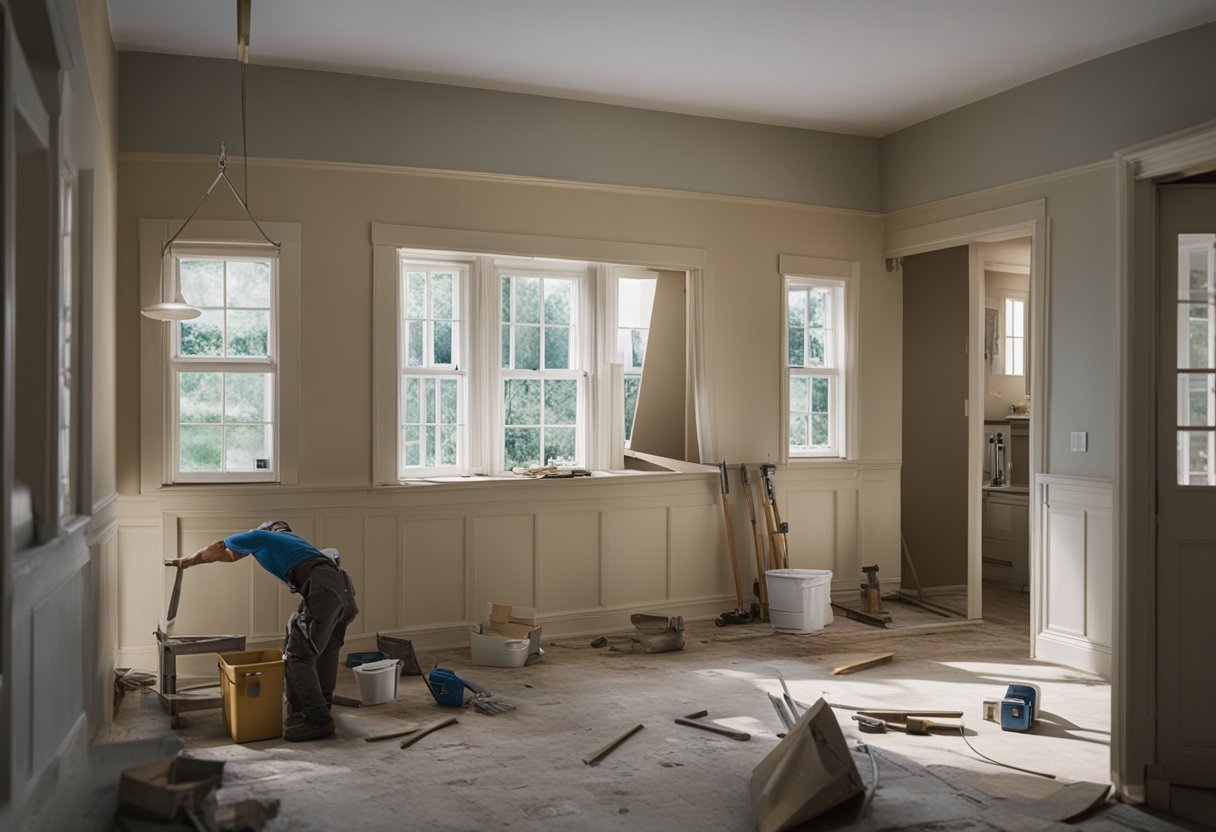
<point>306,731</point>
<point>294,718</point>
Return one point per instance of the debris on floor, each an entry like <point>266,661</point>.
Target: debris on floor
<point>127,679</point>
<point>693,721</point>
<point>430,729</point>
<point>505,637</point>
<point>862,664</point>
<point>595,758</point>
<point>808,773</point>
<point>179,792</point>
<point>652,634</point>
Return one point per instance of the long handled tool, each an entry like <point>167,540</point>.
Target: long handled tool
<point>692,721</point>
<point>761,583</point>
<point>777,528</point>
<point>422,732</point>
<point>739,615</point>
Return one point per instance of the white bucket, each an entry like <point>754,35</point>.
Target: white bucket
<point>799,600</point>
<point>378,681</point>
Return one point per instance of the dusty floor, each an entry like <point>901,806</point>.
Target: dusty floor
<point>524,769</point>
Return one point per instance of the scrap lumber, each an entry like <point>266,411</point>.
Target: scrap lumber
<point>862,664</point>
<point>595,758</point>
<point>422,732</point>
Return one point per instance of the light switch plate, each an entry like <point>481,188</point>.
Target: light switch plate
<point>1080,441</point>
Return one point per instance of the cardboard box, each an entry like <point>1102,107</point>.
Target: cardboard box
<point>169,787</point>
<point>251,690</point>
<point>506,637</point>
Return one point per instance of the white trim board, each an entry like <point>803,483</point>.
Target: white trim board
<point>504,178</point>
<point>532,245</point>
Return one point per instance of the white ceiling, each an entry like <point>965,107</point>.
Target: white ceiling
<point>867,67</point>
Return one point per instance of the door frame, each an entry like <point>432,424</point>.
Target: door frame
<point>1027,219</point>
<point>1138,171</point>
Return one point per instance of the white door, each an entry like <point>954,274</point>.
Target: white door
<point>1186,486</point>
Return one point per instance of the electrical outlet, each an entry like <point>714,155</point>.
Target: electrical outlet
<point>1080,441</point>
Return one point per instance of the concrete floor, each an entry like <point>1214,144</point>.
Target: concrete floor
<point>524,769</point>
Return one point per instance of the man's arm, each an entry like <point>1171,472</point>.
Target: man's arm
<point>214,553</point>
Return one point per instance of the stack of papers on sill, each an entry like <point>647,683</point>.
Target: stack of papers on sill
<point>550,471</point>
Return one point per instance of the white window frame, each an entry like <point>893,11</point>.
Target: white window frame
<point>223,365</point>
<point>159,403</point>
<point>580,345</point>
<point>841,276</point>
<point>460,351</point>
<point>999,300</point>
<point>485,251</point>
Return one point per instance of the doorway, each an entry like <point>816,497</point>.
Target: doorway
<point>967,234</point>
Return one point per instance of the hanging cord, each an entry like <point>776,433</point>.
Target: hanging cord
<point>962,732</point>
<point>244,136</point>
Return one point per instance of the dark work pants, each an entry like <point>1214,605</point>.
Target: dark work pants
<point>315,634</point>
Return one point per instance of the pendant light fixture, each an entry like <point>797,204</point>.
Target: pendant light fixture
<point>178,309</point>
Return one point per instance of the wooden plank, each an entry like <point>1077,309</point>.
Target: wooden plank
<point>862,664</point>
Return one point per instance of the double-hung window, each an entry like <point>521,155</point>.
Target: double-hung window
<point>542,374</point>
<point>223,366</point>
<point>816,349</point>
<point>1013,321</point>
<point>433,386</point>
<point>485,363</point>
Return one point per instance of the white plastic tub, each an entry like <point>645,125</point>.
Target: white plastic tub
<point>378,681</point>
<point>799,600</point>
<point>491,650</point>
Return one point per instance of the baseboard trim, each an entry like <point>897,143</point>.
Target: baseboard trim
<point>1073,652</point>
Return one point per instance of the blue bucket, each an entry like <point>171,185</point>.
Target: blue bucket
<point>446,687</point>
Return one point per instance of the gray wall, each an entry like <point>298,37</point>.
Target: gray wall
<point>933,480</point>
<point>1079,115</point>
<point>174,104</point>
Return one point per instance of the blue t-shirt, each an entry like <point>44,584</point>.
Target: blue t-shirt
<point>277,552</point>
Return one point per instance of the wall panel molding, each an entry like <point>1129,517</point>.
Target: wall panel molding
<point>1074,622</point>
<point>424,562</point>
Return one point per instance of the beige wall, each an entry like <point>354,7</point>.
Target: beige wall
<point>586,553</point>
<point>933,487</point>
<point>335,207</point>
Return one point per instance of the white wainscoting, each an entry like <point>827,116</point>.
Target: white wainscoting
<point>424,559</point>
<point>1073,624</point>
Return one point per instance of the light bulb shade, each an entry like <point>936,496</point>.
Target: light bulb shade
<point>173,311</point>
